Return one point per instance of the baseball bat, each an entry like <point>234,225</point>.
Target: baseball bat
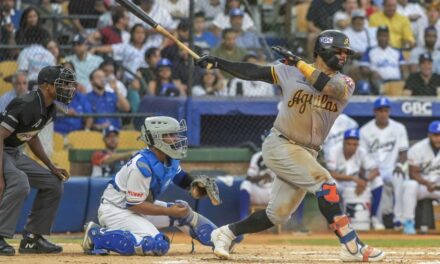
<point>137,11</point>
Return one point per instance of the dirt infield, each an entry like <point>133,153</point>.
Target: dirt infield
<point>261,248</point>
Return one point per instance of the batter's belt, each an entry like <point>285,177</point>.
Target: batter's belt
<point>299,144</point>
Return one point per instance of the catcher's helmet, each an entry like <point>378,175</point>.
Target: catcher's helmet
<point>325,46</point>
<point>166,134</point>
<point>63,79</point>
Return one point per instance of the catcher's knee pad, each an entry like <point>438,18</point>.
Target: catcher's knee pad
<point>161,244</point>
<point>122,242</point>
<point>328,201</point>
<point>201,229</point>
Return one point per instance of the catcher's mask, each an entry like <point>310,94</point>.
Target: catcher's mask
<point>166,134</point>
<point>328,44</point>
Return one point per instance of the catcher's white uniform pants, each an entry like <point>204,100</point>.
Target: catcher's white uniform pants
<point>115,218</point>
<point>414,192</point>
<point>258,194</point>
<point>297,172</point>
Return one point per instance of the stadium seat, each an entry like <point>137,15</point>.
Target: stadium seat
<point>393,88</point>
<point>61,159</point>
<point>7,69</point>
<point>128,140</point>
<point>85,140</point>
<point>58,141</point>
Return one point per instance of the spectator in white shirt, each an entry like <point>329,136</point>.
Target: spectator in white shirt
<point>85,62</point>
<point>430,37</point>
<point>245,39</point>
<point>415,13</point>
<point>342,18</point>
<point>178,9</point>
<point>108,67</point>
<point>158,14</point>
<point>20,87</point>
<point>222,20</point>
<point>433,15</point>
<point>210,8</point>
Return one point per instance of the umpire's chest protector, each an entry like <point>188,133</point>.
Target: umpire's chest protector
<point>161,175</point>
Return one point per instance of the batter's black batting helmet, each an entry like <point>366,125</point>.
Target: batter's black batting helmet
<point>325,46</point>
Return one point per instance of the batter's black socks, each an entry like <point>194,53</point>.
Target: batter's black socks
<point>254,223</point>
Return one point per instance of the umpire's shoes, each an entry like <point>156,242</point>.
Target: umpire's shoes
<point>5,248</point>
<point>37,244</point>
<point>222,238</point>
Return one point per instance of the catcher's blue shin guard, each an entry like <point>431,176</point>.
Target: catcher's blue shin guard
<point>124,243</point>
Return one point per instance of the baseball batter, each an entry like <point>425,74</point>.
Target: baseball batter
<point>336,133</point>
<point>313,97</point>
<point>129,212</point>
<point>352,166</point>
<point>387,142</point>
<point>424,169</point>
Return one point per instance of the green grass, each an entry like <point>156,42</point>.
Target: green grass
<point>384,242</point>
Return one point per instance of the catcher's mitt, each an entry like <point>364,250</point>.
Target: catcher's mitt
<point>203,185</point>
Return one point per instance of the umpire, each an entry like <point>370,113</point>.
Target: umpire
<point>20,123</point>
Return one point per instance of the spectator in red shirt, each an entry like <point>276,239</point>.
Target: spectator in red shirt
<point>108,161</point>
<point>116,33</point>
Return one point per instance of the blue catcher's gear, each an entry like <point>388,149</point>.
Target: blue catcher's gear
<point>99,241</point>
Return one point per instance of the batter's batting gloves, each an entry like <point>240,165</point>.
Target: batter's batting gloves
<point>205,60</point>
<point>288,57</point>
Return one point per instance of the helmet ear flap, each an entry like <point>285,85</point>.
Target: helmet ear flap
<point>148,137</point>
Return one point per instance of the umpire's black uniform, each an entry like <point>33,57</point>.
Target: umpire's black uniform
<point>24,117</point>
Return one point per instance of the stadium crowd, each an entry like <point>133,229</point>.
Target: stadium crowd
<point>119,59</point>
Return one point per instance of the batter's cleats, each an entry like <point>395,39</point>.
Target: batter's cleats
<point>222,239</point>
<point>6,249</point>
<point>37,244</point>
<point>408,227</point>
<point>364,253</point>
<point>377,225</point>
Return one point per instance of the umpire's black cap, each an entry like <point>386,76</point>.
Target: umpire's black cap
<point>49,74</point>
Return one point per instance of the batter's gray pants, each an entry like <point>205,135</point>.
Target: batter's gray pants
<point>21,173</point>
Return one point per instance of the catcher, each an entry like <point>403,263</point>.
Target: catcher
<point>130,215</point>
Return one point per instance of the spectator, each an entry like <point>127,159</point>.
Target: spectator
<point>86,7</point>
<point>255,189</point>
<point>250,88</point>
<point>152,57</point>
<point>30,19</point>
<point>423,170</point>
<point>210,7</point>
<point>181,69</point>
<point>78,105</point>
<point>178,9</point>
<point>433,13</point>
<point>430,38</point>
<point>11,15</point>
<point>7,37</point>
<point>228,49</point>
<point>342,18</point>
<point>53,47</point>
<point>245,39</point>
<point>79,87</point>
<point>160,15</point>
<point>130,54</point>
<point>108,67</point>
<point>107,162</point>
<point>336,134</point>
<point>320,17</point>
<point>401,35</point>
<point>104,102</point>
<point>356,171</point>
<point>50,7</point>
<point>383,63</point>
<point>85,62</point>
<point>414,12</point>
<point>360,34</point>
<point>387,142</point>
<point>425,82</point>
<point>171,52</point>
<point>202,37</point>
<point>20,87</point>
<point>164,84</point>
<point>212,84</point>
<point>115,33</point>
<point>368,7</point>
<point>222,20</point>
<point>34,57</point>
